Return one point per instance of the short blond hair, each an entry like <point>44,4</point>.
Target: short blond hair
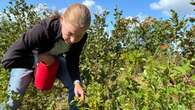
<point>78,14</point>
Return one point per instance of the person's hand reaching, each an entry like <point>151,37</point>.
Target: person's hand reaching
<point>79,93</point>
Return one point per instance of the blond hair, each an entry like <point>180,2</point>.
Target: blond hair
<point>78,14</point>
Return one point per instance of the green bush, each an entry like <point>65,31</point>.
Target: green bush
<point>135,66</point>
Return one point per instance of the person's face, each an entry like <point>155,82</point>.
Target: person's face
<point>71,33</point>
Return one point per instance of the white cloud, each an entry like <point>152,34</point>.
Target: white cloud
<point>88,3</point>
<point>94,8</point>
<point>41,7</point>
<point>183,7</point>
<point>140,16</point>
<point>62,10</point>
<point>99,9</point>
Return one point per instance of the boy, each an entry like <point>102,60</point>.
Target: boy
<point>51,37</point>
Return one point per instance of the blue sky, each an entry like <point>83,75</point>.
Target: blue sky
<point>140,8</point>
<point>130,7</point>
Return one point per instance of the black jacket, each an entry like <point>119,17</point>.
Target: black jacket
<point>42,38</point>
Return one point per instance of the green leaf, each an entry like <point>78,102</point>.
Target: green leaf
<point>193,77</point>
<point>193,3</point>
<point>193,90</point>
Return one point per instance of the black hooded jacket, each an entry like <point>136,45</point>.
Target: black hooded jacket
<point>42,37</point>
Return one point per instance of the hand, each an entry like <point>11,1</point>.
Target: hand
<point>79,93</point>
<point>46,58</point>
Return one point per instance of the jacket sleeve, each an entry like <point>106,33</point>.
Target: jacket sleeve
<point>20,53</point>
<point>73,58</point>
<point>37,36</point>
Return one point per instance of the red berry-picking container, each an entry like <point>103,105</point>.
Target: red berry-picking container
<point>45,75</point>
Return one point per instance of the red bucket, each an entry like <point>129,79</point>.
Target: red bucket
<point>45,75</point>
